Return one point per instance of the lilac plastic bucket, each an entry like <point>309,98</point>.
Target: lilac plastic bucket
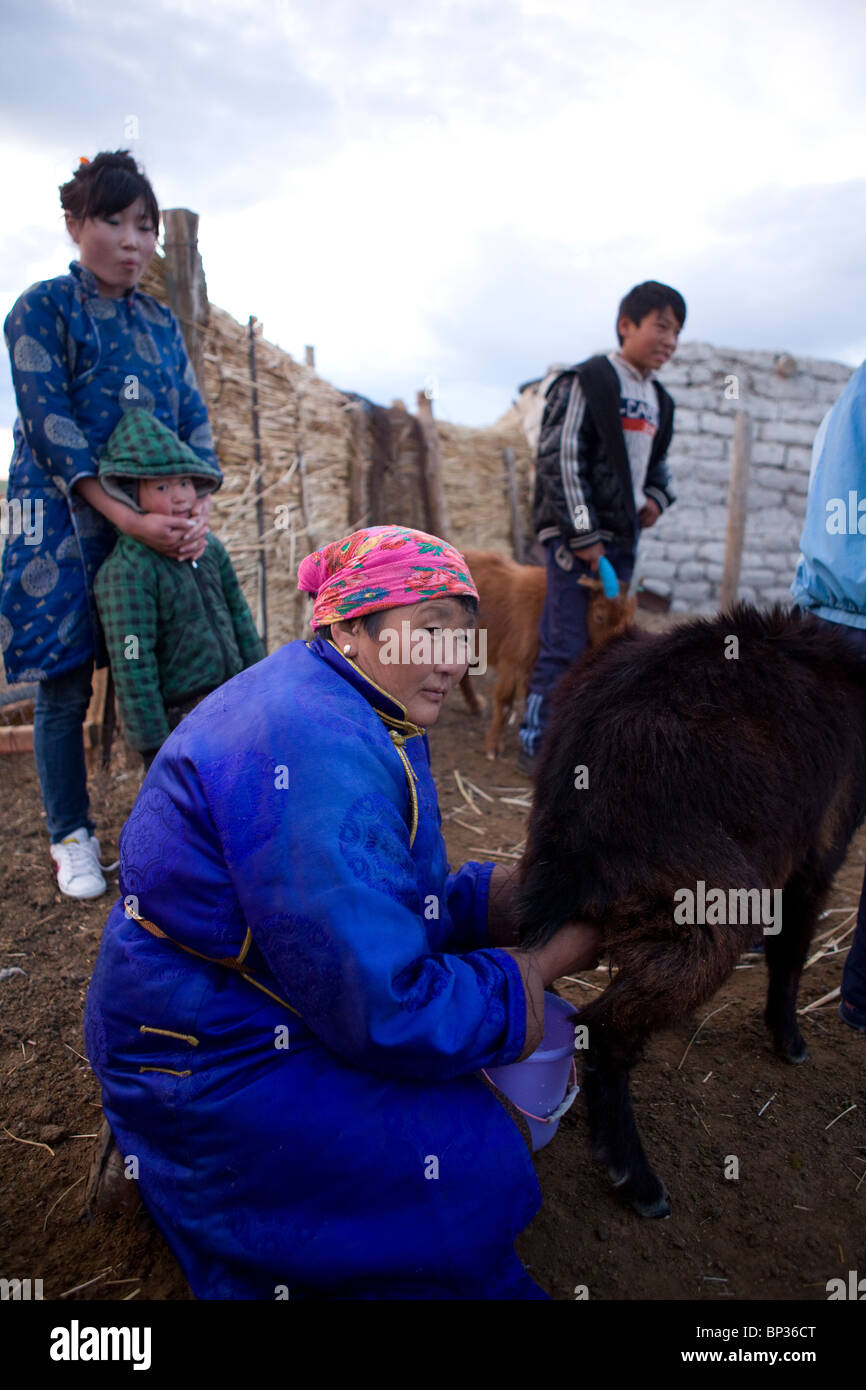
<point>539,1085</point>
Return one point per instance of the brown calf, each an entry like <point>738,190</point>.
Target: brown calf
<point>511,600</point>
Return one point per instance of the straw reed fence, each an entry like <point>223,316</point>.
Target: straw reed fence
<point>331,461</point>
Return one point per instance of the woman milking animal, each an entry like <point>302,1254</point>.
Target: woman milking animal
<point>294,997</point>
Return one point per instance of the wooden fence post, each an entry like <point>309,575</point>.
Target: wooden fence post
<point>357,459</point>
<point>431,463</point>
<point>741,451</point>
<point>262,564</point>
<point>514,506</point>
<point>185,282</point>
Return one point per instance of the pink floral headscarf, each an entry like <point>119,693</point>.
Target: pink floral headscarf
<point>381,567</point>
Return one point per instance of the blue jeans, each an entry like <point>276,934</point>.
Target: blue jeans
<point>562,631</point>
<point>58,747</point>
<point>853,1004</point>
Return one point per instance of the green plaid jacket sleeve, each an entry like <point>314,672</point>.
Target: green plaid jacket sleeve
<point>126,596</point>
<point>248,640</point>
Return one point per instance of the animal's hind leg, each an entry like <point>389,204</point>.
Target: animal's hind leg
<point>467,690</point>
<point>613,1132</point>
<point>786,953</point>
<point>660,978</point>
<point>503,694</point>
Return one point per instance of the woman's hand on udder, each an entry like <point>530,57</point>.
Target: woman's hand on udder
<point>576,946</point>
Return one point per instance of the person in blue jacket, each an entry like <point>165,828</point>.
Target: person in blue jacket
<point>85,348</point>
<point>831,583</point>
<point>293,995</point>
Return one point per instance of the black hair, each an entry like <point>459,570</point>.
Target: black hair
<point>642,299</point>
<point>373,621</point>
<point>372,625</point>
<point>106,185</point>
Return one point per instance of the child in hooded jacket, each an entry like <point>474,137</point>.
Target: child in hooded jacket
<point>175,631</point>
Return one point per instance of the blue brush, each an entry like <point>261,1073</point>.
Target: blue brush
<point>607,575</point>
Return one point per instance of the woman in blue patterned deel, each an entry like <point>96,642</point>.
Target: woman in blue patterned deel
<point>84,348</point>
<point>293,995</point>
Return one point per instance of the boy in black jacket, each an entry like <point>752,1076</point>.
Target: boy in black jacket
<point>600,477</point>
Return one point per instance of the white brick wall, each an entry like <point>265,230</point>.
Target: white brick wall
<point>684,551</point>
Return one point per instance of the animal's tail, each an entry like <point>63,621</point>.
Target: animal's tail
<point>665,971</point>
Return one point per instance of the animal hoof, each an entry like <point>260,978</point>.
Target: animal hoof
<point>649,1198</point>
<point>789,1045</point>
<point>659,1210</point>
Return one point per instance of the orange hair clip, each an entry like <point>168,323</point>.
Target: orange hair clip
<point>83,160</point>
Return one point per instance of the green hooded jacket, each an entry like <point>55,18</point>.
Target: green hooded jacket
<point>174,629</point>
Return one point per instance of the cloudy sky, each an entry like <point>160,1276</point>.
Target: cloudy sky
<point>460,193</point>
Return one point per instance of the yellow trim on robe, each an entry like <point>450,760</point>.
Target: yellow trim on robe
<point>230,962</point>
<point>400,730</point>
<point>167,1033</point>
<point>409,729</point>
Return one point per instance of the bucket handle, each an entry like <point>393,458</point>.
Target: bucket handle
<point>565,1104</point>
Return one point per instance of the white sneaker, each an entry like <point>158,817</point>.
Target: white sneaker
<point>79,873</point>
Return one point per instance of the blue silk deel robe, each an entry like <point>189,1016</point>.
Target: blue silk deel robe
<point>347,1150</point>
<point>79,361</point>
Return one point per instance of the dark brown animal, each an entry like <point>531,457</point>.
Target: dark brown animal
<point>511,599</point>
<point>731,753</point>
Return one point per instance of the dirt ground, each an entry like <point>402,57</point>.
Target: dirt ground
<point>792,1220</point>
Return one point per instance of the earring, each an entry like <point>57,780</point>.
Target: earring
<point>347,648</point>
